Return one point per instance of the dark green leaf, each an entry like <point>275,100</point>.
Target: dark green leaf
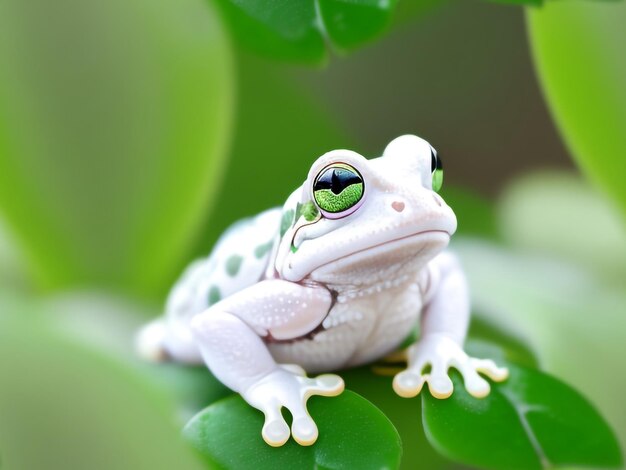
<point>352,434</point>
<point>530,421</point>
<point>406,416</point>
<point>302,30</point>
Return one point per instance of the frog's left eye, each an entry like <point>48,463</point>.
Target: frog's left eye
<point>338,190</point>
<point>436,168</point>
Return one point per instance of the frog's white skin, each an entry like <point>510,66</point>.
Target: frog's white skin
<point>351,293</point>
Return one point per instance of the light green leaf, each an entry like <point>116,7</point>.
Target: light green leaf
<point>530,421</point>
<point>561,215</point>
<point>109,325</point>
<point>352,434</point>
<point>303,30</point>
<point>520,2</point>
<point>114,119</point>
<point>65,405</point>
<point>578,48</point>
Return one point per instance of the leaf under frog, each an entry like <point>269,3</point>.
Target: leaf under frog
<point>530,421</point>
<point>353,433</point>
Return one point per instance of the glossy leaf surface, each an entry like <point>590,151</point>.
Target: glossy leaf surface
<point>303,30</point>
<point>530,421</point>
<point>353,433</point>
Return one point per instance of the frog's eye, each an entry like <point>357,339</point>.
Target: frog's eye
<point>338,190</point>
<point>436,168</point>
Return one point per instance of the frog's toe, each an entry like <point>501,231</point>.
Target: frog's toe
<point>408,384</point>
<point>304,430</point>
<point>275,430</point>
<point>490,369</point>
<point>328,385</point>
<point>474,383</point>
<point>439,384</point>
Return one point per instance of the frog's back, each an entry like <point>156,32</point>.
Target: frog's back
<point>238,260</point>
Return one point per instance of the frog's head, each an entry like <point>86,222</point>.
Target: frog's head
<point>354,219</point>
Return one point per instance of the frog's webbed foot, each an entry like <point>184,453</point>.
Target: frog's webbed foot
<point>289,387</point>
<point>438,353</point>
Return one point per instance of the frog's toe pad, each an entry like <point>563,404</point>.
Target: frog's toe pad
<point>275,431</point>
<point>304,430</point>
<point>440,385</point>
<point>475,384</point>
<point>328,385</point>
<point>490,369</point>
<point>408,384</point>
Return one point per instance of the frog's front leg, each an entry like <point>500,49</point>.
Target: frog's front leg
<point>445,321</point>
<point>229,336</point>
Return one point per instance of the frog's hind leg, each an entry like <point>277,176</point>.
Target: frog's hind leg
<point>160,341</point>
<point>169,337</point>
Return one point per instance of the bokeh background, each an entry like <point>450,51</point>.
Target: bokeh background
<point>133,133</point>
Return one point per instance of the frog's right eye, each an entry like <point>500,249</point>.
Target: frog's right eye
<point>338,190</point>
<point>436,168</point>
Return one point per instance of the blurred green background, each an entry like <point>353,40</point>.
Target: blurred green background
<point>133,133</point>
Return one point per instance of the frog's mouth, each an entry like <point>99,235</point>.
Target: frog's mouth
<point>390,258</point>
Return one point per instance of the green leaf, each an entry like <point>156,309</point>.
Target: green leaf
<point>572,317</point>
<point>114,119</point>
<point>579,55</point>
<point>191,387</point>
<point>488,340</point>
<point>65,405</point>
<point>530,421</point>
<point>302,30</point>
<point>520,2</point>
<point>537,213</point>
<point>406,416</point>
<point>352,434</point>
<point>109,325</point>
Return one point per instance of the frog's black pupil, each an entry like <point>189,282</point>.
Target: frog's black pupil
<point>435,161</point>
<point>336,179</point>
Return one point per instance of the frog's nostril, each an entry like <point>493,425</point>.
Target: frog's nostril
<point>437,199</point>
<point>398,206</point>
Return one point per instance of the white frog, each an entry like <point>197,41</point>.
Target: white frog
<point>337,277</point>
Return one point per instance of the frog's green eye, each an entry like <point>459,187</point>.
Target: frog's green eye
<point>338,190</point>
<point>436,167</point>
